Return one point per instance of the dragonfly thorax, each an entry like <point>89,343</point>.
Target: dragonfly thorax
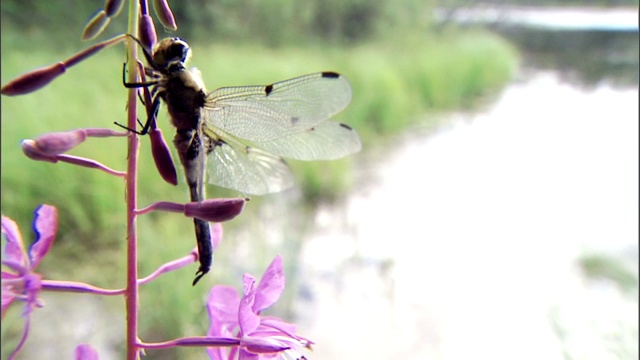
<point>170,55</point>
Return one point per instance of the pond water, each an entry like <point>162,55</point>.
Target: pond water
<point>467,243</point>
<point>471,242</point>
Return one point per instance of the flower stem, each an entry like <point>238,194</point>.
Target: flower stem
<point>132,191</point>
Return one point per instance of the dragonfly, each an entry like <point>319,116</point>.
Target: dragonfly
<point>237,137</point>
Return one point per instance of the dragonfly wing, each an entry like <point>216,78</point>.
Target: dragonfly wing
<point>265,113</point>
<point>327,141</point>
<point>233,165</point>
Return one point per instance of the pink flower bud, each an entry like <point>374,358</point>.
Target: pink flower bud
<point>262,345</point>
<point>162,157</point>
<point>33,80</point>
<point>59,142</point>
<point>164,14</point>
<point>112,7</point>
<point>96,25</point>
<point>215,210</point>
<point>30,149</point>
<point>147,32</point>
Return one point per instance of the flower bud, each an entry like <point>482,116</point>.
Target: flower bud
<point>147,32</point>
<point>59,142</point>
<point>164,14</point>
<point>259,345</point>
<point>30,149</point>
<point>96,25</point>
<point>33,80</point>
<point>112,7</point>
<point>162,157</point>
<point>215,210</point>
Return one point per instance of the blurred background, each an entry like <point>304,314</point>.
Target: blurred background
<point>493,211</point>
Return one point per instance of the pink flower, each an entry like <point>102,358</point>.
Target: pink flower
<point>86,352</point>
<point>22,283</point>
<point>261,337</point>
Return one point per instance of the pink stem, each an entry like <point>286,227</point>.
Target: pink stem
<point>75,287</point>
<point>132,193</point>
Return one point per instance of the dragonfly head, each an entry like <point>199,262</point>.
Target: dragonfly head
<point>171,54</point>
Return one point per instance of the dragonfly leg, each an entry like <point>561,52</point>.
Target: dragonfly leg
<point>130,85</point>
<point>153,113</point>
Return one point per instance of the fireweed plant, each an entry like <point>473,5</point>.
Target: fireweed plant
<point>237,329</point>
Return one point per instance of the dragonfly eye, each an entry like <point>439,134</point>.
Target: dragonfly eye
<point>170,53</point>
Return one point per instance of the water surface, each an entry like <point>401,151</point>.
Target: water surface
<point>467,243</point>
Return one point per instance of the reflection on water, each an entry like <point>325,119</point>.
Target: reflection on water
<point>589,45</point>
<point>468,244</point>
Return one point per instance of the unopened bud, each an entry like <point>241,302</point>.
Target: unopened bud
<point>215,210</point>
<point>96,25</point>
<point>59,142</point>
<point>33,80</point>
<point>162,157</point>
<point>30,149</point>
<point>164,14</point>
<point>147,32</point>
<point>112,7</point>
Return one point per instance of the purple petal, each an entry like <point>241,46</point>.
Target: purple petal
<point>8,296</point>
<point>247,319</point>
<point>216,234</point>
<point>32,286</point>
<point>245,355</point>
<point>14,249</point>
<point>45,225</point>
<point>222,306</point>
<point>248,282</point>
<point>270,287</point>
<point>217,353</point>
<point>280,325</point>
<point>86,352</point>
<point>18,267</point>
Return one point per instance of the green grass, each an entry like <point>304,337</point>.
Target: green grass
<point>394,85</point>
<point>603,267</point>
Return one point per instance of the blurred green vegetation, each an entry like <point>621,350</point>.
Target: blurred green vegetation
<point>610,268</point>
<point>400,70</point>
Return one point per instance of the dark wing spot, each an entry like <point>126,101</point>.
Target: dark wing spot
<point>268,89</point>
<point>218,142</point>
<point>330,74</point>
<point>294,120</point>
<point>346,126</point>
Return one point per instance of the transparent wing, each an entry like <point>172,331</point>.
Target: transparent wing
<point>249,170</point>
<point>283,118</point>
<point>326,141</point>
<point>253,126</point>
